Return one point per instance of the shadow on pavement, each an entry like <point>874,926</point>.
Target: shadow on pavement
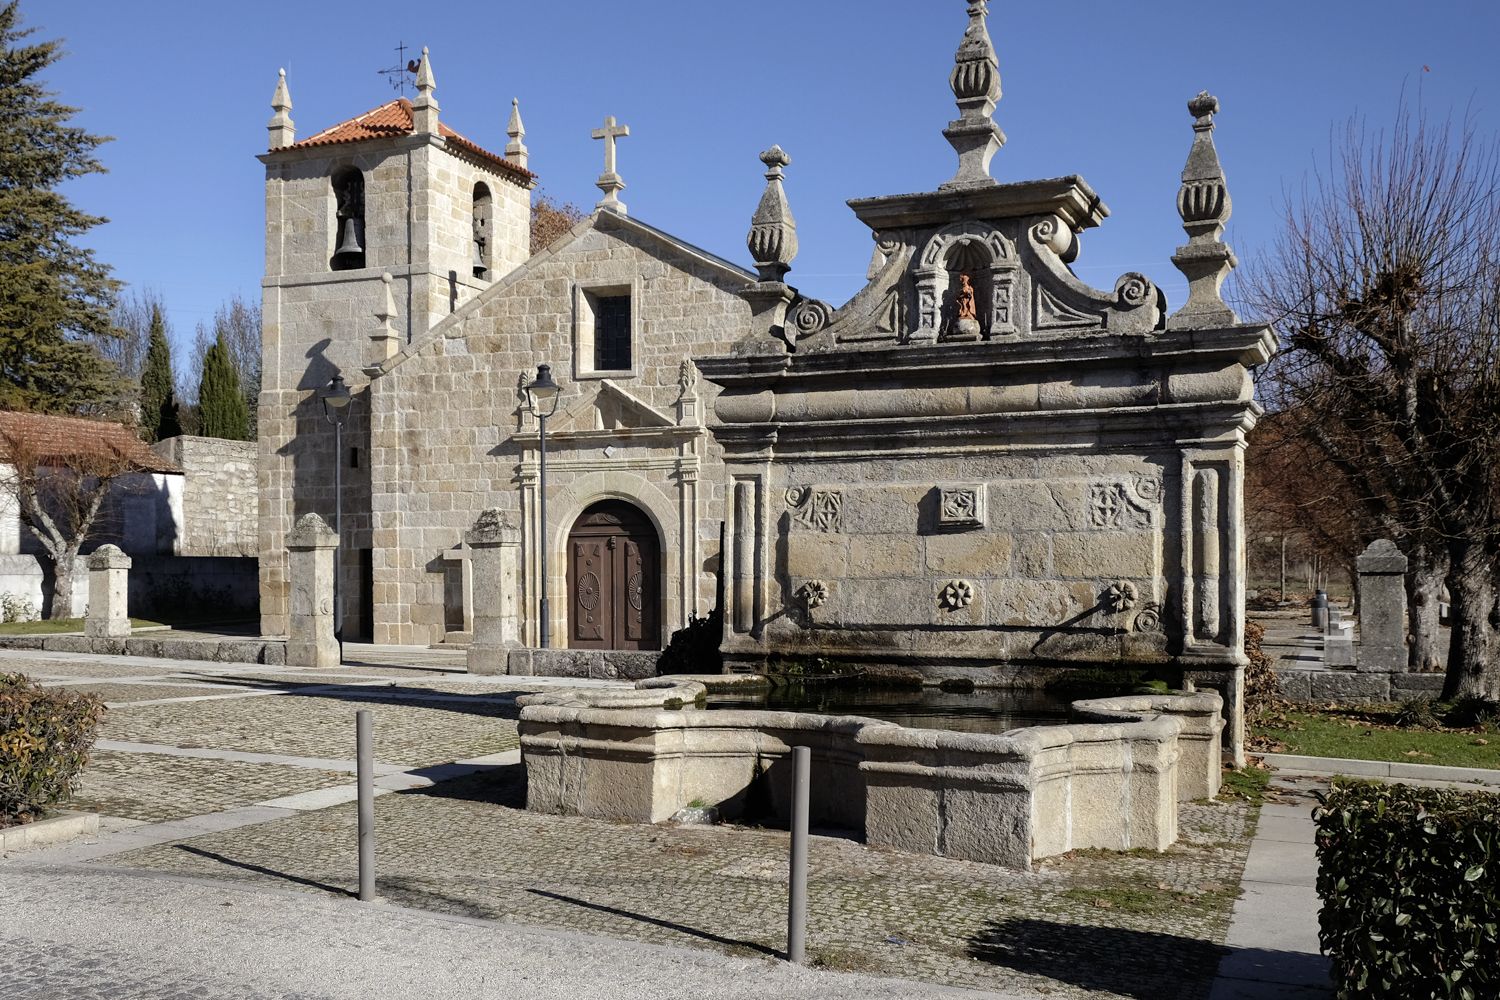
<point>657,922</point>
<point>262,870</point>
<point>1142,964</point>
<point>501,785</point>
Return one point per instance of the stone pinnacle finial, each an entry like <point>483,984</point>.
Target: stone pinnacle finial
<point>609,182</point>
<point>976,88</point>
<point>515,150</point>
<point>386,340</point>
<point>1204,204</point>
<point>283,130</point>
<point>773,231</point>
<point>424,110</point>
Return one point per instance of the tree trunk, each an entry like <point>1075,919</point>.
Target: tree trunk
<point>1472,670</point>
<point>62,584</point>
<point>1427,567</point>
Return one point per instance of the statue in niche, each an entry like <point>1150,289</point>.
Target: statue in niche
<point>966,321</point>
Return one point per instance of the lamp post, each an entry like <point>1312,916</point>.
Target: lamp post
<point>542,395</point>
<point>336,409</point>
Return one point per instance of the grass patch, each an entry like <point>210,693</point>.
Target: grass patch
<point>55,625</point>
<point>1371,734</point>
<point>1247,784</point>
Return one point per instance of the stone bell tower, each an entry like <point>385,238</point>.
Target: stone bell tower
<point>390,214</point>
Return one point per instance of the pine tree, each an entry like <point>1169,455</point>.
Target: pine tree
<point>158,397</point>
<point>222,412</point>
<point>55,298</point>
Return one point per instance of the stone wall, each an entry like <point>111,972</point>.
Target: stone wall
<point>219,507</point>
<point>453,437</point>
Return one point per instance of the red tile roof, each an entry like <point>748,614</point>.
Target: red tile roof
<point>58,438</point>
<point>395,119</point>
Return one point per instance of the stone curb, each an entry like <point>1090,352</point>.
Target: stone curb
<point>65,826</point>
<point>1327,766</point>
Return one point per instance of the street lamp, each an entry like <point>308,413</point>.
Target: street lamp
<point>336,410</point>
<point>542,395</point>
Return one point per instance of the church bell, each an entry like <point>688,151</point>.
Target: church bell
<point>480,268</point>
<point>351,253</point>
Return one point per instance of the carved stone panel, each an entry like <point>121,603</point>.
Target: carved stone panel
<point>820,510</point>
<point>961,506</point>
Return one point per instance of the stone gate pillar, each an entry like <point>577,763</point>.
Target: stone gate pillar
<point>310,640</point>
<point>109,593</point>
<point>1382,607</point>
<point>494,561</point>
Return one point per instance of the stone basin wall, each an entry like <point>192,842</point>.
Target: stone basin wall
<point>1112,781</point>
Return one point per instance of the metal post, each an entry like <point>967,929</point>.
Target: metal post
<point>365,767</point>
<point>1283,567</point>
<point>546,635</point>
<point>338,530</point>
<point>796,923</point>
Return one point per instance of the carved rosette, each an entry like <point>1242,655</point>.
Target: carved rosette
<point>957,595</point>
<point>1119,597</point>
<point>1149,620</point>
<point>813,594</point>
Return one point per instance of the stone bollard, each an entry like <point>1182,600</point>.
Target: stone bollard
<point>1320,611</point>
<point>1382,607</point>
<point>310,639</point>
<point>494,558</point>
<point>109,593</point>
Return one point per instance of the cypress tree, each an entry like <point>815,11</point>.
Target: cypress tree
<point>55,298</point>
<point>158,395</point>
<point>222,412</point>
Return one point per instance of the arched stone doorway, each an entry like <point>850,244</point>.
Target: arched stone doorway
<point>614,579</point>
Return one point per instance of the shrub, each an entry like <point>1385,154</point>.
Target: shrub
<point>1410,883</point>
<point>1474,713</point>
<point>15,608</point>
<point>45,737</point>
<point>1417,713</point>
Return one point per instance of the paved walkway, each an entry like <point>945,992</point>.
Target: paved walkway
<point>100,935</point>
<point>1273,935</point>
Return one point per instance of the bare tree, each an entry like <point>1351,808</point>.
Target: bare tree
<point>1384,285</point>
<point>59,497</point>
<point>132,318</point>
<point>551,219</point>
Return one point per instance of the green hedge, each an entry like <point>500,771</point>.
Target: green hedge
<point>1410,883</point>
<point>45,737</point>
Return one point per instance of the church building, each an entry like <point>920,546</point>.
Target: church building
<point>397,260</point>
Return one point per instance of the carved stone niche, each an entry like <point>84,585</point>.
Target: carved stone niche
<point>980,251</point>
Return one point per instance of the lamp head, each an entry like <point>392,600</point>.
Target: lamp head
<point>335,399</point>
<point>543,393</point>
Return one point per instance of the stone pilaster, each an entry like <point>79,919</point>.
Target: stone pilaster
<point>109,592</point>
<point>495,557</point>
<point>310,639</point>
<point>1382,607</point>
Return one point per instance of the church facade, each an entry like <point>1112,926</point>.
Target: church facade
<point>398,260</point>
<point>978,463</point>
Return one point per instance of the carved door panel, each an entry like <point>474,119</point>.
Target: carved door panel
<point>591,589</point>
<point>614,584</point>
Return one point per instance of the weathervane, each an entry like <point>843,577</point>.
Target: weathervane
<point>399,76</point>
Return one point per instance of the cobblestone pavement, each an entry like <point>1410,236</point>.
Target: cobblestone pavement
<point>157,788</point>
<point>1088,925</point>
<point>410,733</point>
<point>1092,924</point>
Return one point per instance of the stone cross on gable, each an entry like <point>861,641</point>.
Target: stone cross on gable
<point>609,182</point>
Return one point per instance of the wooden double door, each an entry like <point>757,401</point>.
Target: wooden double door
<point>614,581</point>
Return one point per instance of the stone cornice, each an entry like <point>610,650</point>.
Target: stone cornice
<point>1069,198</point>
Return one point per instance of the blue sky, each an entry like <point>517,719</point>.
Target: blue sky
<point>856,92</point>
